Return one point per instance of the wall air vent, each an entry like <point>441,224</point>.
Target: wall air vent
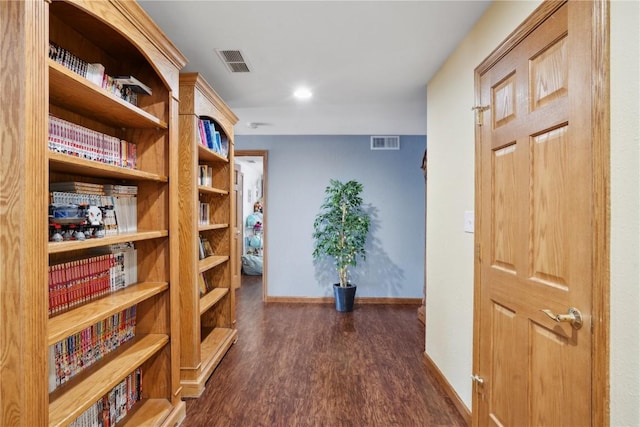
<point>385,142</point>
<point>234,60</point>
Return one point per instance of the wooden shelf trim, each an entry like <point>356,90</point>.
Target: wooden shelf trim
<point>206,227</point>
<point>67,403</point>
<point>61,162</point>
<point>210,299</point>
<point>210,262</point>
<point>214,347</point>
<point>148,412</point>
<point>211,190</point>
<point>72,91</point>
<point>80,318</point>
<point>209,155</point>
<point>59,247</point>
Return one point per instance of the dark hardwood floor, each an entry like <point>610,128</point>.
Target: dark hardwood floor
<point>308,365</point>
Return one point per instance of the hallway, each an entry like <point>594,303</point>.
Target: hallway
<point>308,365</point>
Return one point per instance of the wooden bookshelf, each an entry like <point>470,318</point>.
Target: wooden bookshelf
<point>211,298</point>
<point>72,92</point>
<point>207,322</point>
<point>79,318</point>
<point>72,399</point>
<point>65,163</point>
<point>73,245</point>
<point>206,227</point>
<point>208,263</point>
<point>211,190</point>
<point>148,412</point>
<point>121,36</point>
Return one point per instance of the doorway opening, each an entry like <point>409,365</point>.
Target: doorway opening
<point>250,186</point>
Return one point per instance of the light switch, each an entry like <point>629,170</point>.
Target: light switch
<point>468,221</point>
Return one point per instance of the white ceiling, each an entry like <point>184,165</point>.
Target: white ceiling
<point>366,62</point>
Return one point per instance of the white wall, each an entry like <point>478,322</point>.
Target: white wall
<point>450,186</point>
<point>625,213</point>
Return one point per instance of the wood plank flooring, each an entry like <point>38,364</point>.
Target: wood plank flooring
<point>308,365</point>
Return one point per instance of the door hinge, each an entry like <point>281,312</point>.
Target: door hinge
<point>477,382</point>
<point>480,109</point>
<point>479,252</point>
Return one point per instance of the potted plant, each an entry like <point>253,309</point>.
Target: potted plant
<point>340,231</point>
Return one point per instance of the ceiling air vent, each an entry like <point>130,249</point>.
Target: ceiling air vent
<point>234,60</point>
<point>385,142</point>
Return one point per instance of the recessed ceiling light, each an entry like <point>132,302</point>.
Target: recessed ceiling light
<point>302,93</point>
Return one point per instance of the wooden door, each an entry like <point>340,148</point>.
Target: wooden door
<point>536,223</point>
<point>238,227</point>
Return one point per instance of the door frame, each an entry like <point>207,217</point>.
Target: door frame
<point>265,211</point>
<point>601,187</point>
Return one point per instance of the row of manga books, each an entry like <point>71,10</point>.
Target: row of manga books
<point>77,282</point>
<point>115,405</point>
<point>78,141</point>
<point>77,352</point>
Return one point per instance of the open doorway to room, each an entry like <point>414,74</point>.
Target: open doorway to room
<point>250,186</point>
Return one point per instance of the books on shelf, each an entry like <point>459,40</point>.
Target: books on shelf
<point>76,282</point>
<point>125,206</point>
<point>208,250</point>
<point>203,213</point>
<point>75,353</point>
<point>131,82</point>
<point>125,87</point>
<point>202,136</point>
<point>205,175</point>
<point>204,248</point>
<point>119,203</point>
<point>75,140</point>
<point>202,284</point>
<point>211,138</point>
<point>201,253</point>
<point>115,405</point>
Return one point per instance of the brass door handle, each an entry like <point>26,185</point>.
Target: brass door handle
<point>573,316</point>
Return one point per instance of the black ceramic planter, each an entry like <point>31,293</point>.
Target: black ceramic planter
<point>344,297</point>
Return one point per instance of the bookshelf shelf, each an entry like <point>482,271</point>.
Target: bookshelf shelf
<point>209,155</point>
<point>73,92</point>
<point>65,163</point>
<point>206,227</point>
<point>214,346</point>
<point>72,399</point>
<point>211,298</point>
<point>203,189</point>
<point>211,261</point>
<point>207,323</point>
<point>77,319</point>
<point>74,245</point>
<point>148,412</point>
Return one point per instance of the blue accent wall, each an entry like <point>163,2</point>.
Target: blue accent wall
<point>299,169</point>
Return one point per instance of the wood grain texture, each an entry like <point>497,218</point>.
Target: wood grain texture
<point>23,257</point>
<point>201,351</point>
<point>308,365</point>
<point>600,44</point>
<point>560,242</point>
<point>71,400</point>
